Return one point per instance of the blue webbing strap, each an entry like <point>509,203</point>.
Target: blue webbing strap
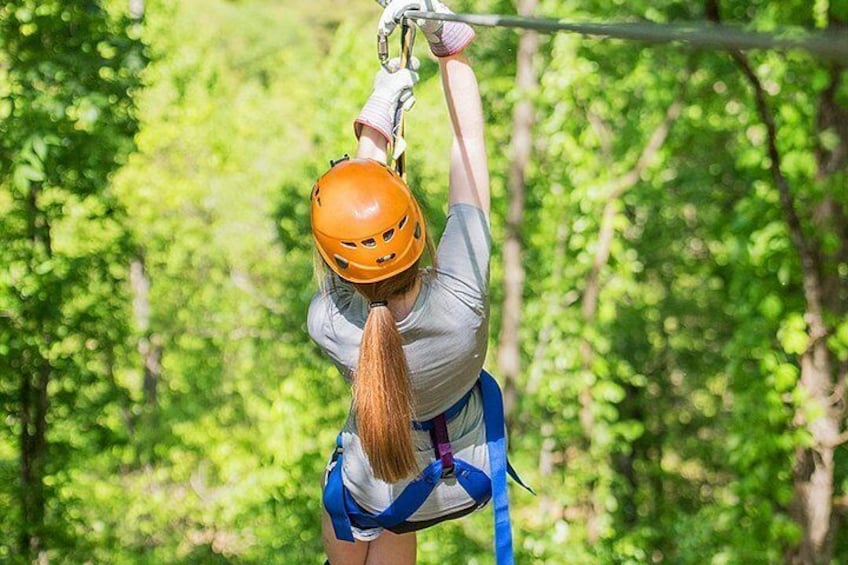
<point>334,499</point>
<point>475,482</point>
<point>472,479</point>
<point>412,497</point>
<point>341,506</point>
<point>514,474</point>
<point>449,414</point>
<point>493,416</point>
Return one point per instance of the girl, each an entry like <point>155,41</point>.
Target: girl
<point>411,340</point>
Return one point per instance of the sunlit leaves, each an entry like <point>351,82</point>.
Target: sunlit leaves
<point>65,128</point>
<point>672,404</point>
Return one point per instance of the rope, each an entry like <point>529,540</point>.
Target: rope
<point>827,45</point>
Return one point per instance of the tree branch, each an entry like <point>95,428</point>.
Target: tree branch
<point>839,388</point>
<point>655,142</point>
<point>809,261</point>
<point>835,442</point>
<point>615,189</point>
<point>602,131</point>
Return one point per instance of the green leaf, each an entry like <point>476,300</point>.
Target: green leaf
<point>771,306</point>
<point>40,148</point>
<point>785,377</point>
<point>793,334</point>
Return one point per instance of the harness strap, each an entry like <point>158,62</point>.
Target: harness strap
<point>449,414</point>
<point>472,479</point>
<point>334,497</point>
<point>342,507</point>
<point>399,149</point>
<point>510,470</point>
<point>412,497</point>
<point>440,439</point>
<point>493,417</point>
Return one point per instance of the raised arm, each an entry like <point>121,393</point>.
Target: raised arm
<point>372,145</point>
<point>469,169</point>
<point>374,125</point>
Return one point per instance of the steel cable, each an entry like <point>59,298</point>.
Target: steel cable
<point>826,45</point>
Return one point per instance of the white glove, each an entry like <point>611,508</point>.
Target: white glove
<point>392,86</point>
<point>445,38</point>
<point>393,12</point>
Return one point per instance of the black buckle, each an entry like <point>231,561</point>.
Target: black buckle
<point>449,472</point>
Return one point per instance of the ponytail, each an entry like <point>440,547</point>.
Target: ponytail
<point>382,395</point>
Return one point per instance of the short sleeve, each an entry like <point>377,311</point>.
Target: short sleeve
<point>333,295</point>
<point>316,317</point>
<point>463,253</point>
<point>329,328</point>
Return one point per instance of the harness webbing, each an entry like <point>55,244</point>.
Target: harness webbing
<point>495,438</point>
<point>441,441</point>
<point>343,509</point>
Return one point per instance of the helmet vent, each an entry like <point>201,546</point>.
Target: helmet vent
<point>387,235</point>
<point>341,262</point>
<point>385,258</point>
<point>417,233</point>
<point>403,222</point>
<point>369,242</point>
<point>348,244</point>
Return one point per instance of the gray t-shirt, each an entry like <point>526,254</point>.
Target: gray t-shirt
<point>445,339</point>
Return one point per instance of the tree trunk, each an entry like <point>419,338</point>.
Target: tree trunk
<point>509,352</point>
<point>149,344</point>
<point>36,373</point>
<point>33,456</point>
<point>814,465</point>
<point>815,468</point>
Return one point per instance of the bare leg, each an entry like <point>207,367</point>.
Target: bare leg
<point>341,552</point>
<point>388,549</point>
<point>392,549</point>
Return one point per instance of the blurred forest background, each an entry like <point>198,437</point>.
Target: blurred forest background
<point>670,281</point>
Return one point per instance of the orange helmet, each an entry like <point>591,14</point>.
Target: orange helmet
<point>366,223</point>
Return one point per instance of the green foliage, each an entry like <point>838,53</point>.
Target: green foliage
<point>658,424</point>
<point>66,74</point>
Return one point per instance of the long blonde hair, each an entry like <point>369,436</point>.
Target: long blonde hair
<point>382,394</point>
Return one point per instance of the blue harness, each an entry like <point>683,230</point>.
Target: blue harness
<point>343,509</point>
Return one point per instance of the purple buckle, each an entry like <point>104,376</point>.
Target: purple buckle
<point>441,441</point>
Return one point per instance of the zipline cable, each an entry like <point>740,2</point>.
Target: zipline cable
<point>827,45</point>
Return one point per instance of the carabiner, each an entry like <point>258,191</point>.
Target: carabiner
<point>407,40</point>
<point>383,49</point>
